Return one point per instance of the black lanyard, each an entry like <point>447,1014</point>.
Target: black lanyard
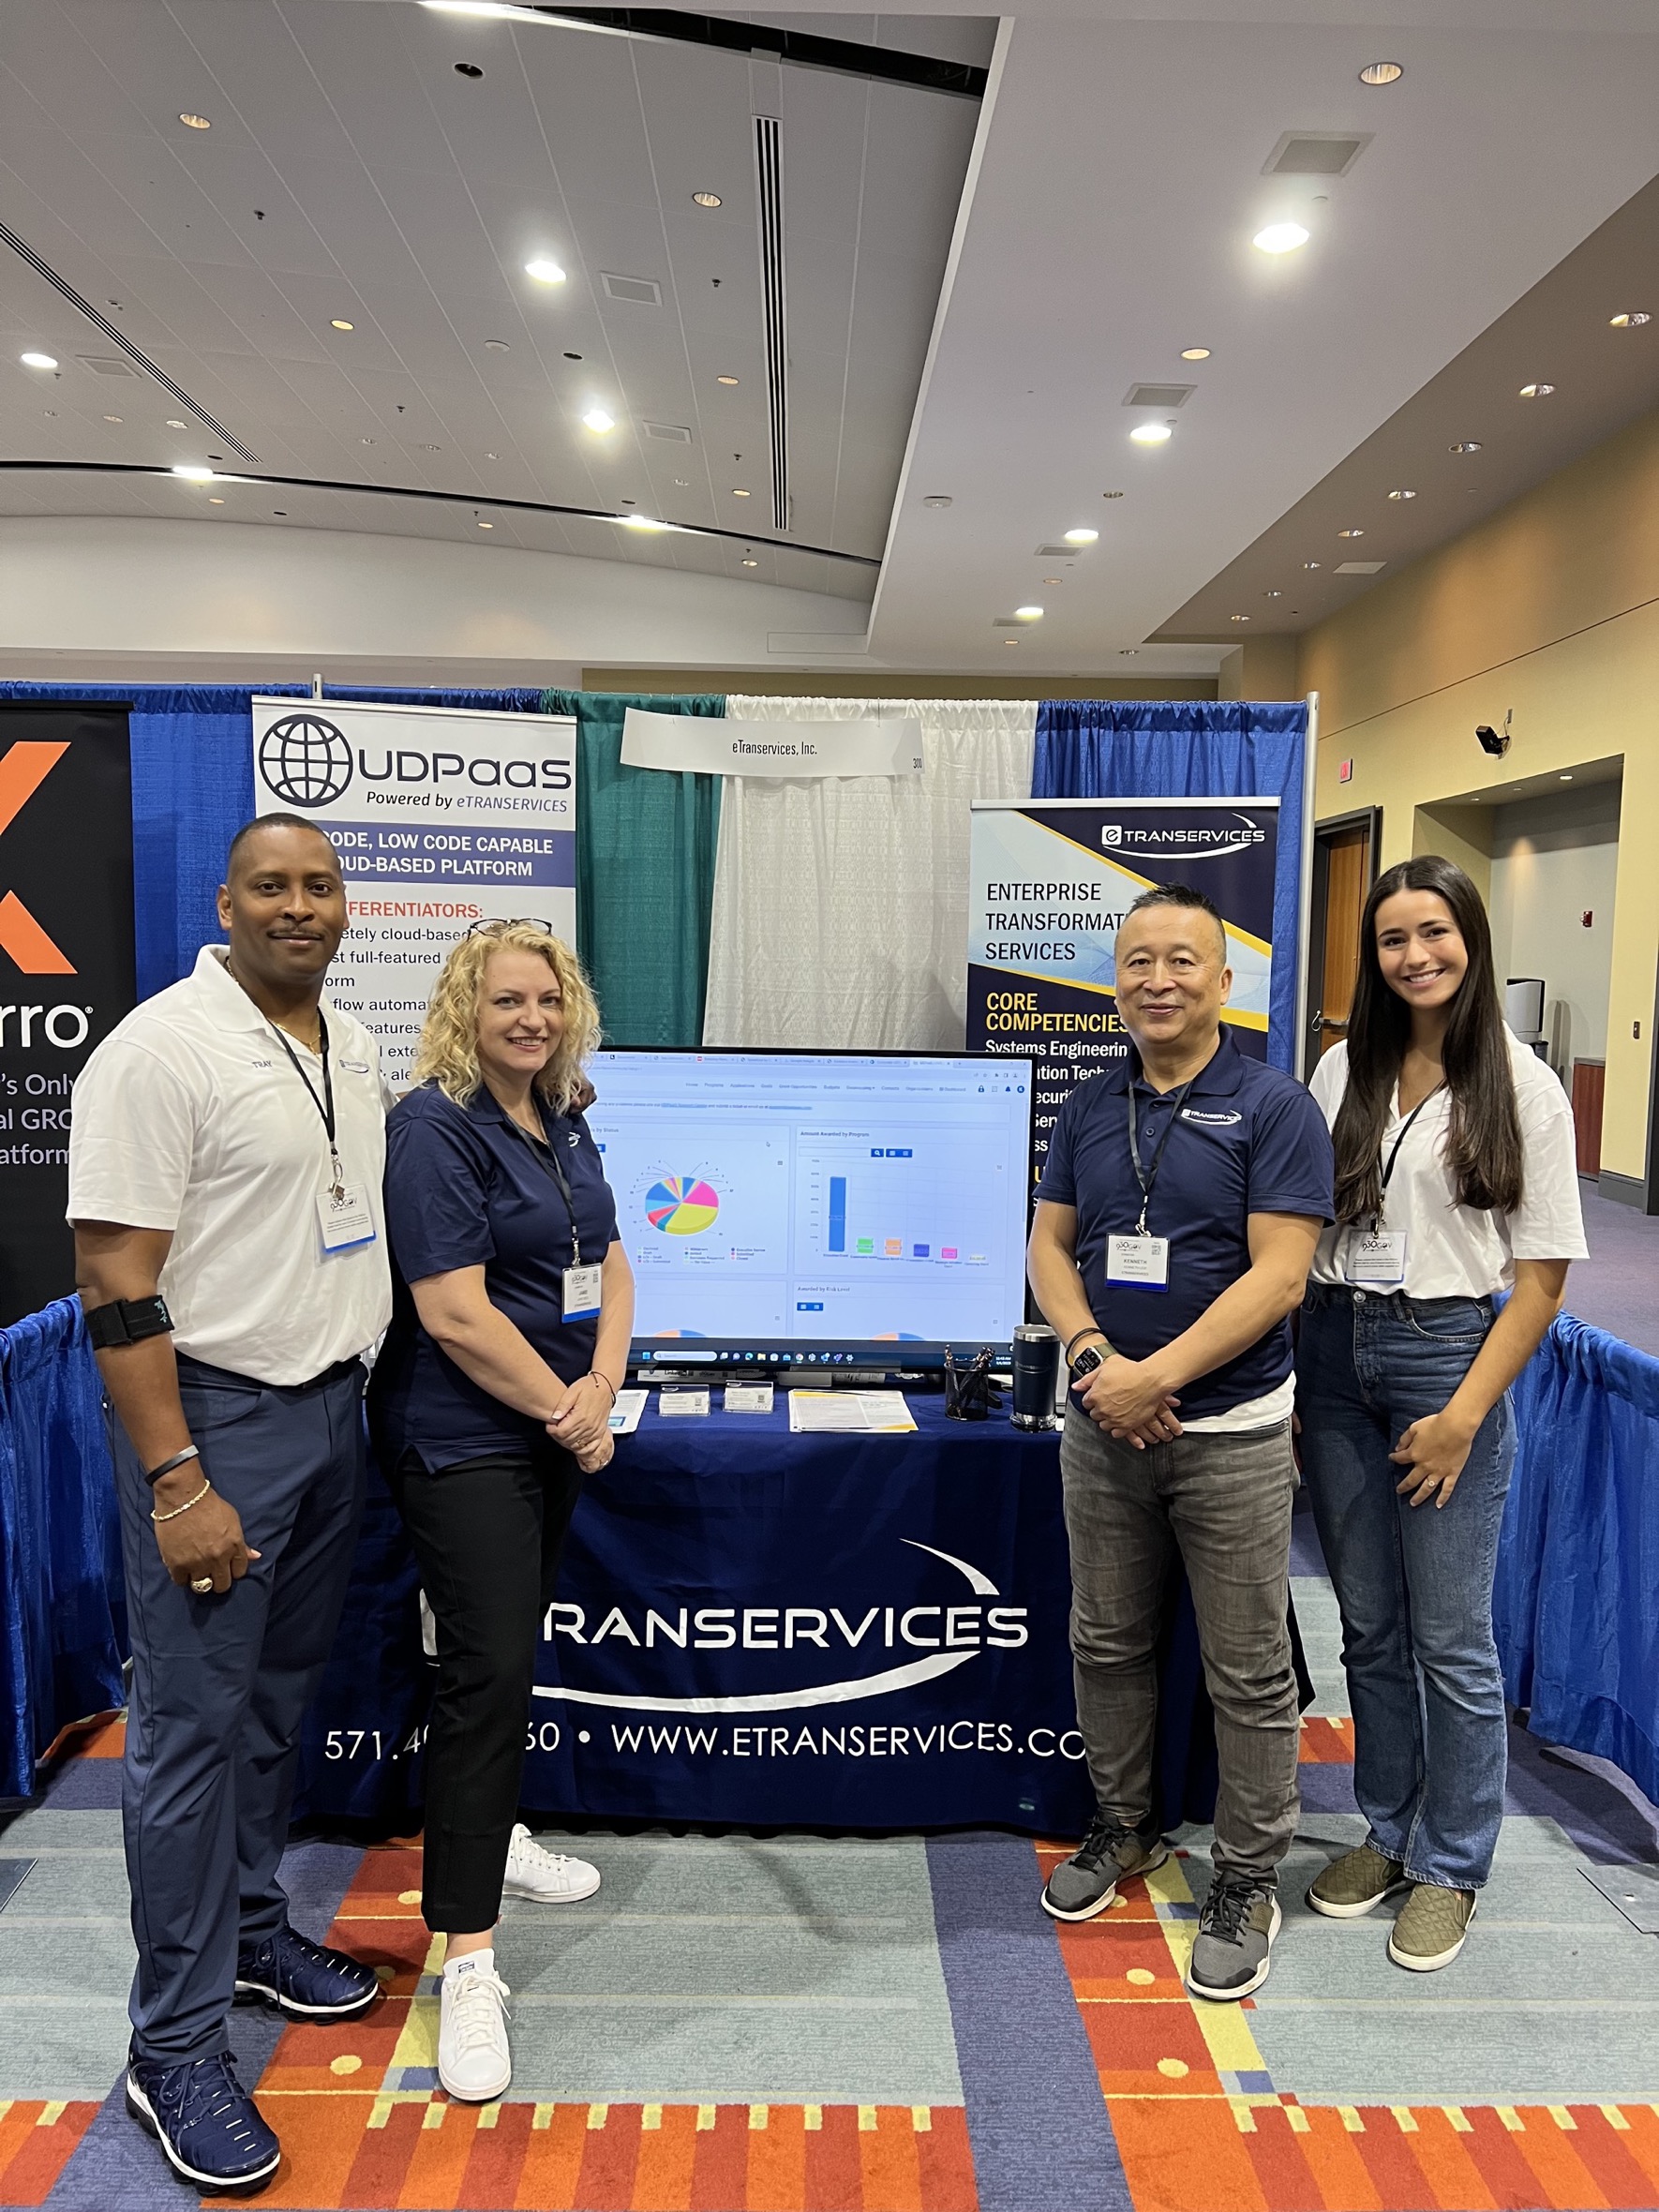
<point>1405,1132</point>
<point>326,1104</point>
<point>549,1159</point>
<point>1146,1178</point>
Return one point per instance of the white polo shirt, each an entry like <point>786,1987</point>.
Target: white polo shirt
<point>1457,1251</point>
<point>191,1117</point>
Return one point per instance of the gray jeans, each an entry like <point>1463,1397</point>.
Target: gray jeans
<point>1224,1504</point>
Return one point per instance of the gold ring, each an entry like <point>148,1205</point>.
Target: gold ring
<point>201,1585</point>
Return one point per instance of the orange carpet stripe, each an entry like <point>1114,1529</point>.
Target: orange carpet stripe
<point>1621,2180</point>
<point>891,2172</point>
<point>33,2157</point>
<point>552,2160</point>
<point>1287,2181</point>
<point>720,2176</point>
<point>432,2180</point>
<point>495,2159</point>
<point>777,2162</point>
<point>1335,2163</point>
<point>834,2180</point>
<point>1457,2182</point>
<point>604,2180</point>
<point>946,2159</point>
<point>1392,2164</point>
<point>1563,2181</point>
<point>1326,1742</point>
<point>1642,2142</point>
<point>1500,2161</point>
<point>1185,2158</point>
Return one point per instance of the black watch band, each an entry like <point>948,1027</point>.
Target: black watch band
<point>1094,1329</point>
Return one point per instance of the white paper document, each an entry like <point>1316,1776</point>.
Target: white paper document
<point>748,1398</point>
<point>819,1411</point>
<point>677,1403</point>
<point>624,1415</point>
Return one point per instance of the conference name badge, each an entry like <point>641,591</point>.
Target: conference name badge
<point>343,1217</point>
<point>1376,1255</point>
<point>581,1292</point>
<point>1138,1263</point>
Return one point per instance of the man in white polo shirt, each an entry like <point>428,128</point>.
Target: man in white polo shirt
<point>225,1166</point>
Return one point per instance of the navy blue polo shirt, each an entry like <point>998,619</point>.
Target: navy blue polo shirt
<point>465,1189</point>
<point>1246,1140</point>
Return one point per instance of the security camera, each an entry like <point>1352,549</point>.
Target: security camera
<point>1491,741</point>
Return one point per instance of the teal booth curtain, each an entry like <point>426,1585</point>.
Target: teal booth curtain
<point>645,873</point>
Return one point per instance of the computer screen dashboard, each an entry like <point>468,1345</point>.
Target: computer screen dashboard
<point>817,1209</point>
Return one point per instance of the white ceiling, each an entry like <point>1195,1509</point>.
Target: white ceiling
<point>1109,196</point>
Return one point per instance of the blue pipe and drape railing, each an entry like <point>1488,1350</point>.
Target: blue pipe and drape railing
<point>1194,749</point>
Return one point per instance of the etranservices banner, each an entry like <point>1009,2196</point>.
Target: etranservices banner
<point>65,965</point>
<point>442,818</point>
<point>878,745</point>
<point>1050,883</point>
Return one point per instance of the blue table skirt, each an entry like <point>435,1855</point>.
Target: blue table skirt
<point>874,1636</point>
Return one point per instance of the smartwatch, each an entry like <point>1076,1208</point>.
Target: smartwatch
<point>1087,1360</point>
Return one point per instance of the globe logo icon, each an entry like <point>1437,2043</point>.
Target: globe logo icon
<point>305,760</point>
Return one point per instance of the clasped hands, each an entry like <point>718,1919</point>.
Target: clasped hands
<point>582,1423</point>
<point>1128,1399</point>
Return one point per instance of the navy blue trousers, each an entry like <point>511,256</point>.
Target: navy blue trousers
<point>221,1685</point>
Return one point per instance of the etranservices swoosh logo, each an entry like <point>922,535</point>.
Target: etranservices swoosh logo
<point>1011,1625</point>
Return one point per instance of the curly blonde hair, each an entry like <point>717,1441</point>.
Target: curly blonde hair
<point>447,1053</point>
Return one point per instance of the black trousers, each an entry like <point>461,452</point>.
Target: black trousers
<point>487,1534</point>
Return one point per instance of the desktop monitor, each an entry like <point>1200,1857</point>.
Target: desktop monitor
<point>817,1210</point>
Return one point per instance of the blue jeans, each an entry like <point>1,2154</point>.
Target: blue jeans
<point>1414,1583</point>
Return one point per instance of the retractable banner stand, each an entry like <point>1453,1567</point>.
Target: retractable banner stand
<point>442,818</point>
<point>1050,883</point>
<point>65,965</point>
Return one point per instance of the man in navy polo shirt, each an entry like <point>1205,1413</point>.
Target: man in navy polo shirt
<point>1175,1223</point>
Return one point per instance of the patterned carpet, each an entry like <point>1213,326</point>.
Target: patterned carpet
<point>807,2025</point>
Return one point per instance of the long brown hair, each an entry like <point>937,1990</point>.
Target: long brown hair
<point>1483,1141</point>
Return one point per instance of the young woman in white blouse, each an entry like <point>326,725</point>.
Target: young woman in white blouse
<point>1455,1181</point>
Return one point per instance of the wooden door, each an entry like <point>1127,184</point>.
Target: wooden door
<point>1348,878</point>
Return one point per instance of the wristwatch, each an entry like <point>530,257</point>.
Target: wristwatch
<point>1089,1358</point>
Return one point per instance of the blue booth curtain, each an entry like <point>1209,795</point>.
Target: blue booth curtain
<point>1578,1560</point>
<point>645,872</point>
<point>193,789</point>
<point>63,1621</point>
<point>1193,749</point>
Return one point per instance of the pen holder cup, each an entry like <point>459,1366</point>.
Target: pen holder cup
<point>968,1395</point>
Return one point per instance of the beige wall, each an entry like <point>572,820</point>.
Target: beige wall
<point>887,683</point>
<point>1549,609</point>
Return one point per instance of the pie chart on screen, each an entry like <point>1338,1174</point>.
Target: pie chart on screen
<point>681,1205</point>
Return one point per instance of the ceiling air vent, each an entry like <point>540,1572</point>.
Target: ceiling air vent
<point>768,177</point>
<point>1058,552</point>
<point>1359,568</point>
<point>103,364</point>
<point>676,433</point>
<point>1317,153</point>
<point>1159,395</point>
<point>643,292</point>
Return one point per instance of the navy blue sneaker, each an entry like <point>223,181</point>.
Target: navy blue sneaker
<point>208,2126</point>
<point>305,1980</point>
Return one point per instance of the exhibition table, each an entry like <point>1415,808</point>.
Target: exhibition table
<point>767,1629</point>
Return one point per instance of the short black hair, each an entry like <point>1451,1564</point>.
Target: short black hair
<point>272,822</point>
<point>1182,894</point>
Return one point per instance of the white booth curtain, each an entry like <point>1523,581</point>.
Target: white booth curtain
<point>841,903</point>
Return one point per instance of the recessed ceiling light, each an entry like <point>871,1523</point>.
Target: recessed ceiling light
<point>544,272</point>
<point>173,424</point>
<point>1632,321</point>
<point>39,361</point>
<point>1151,434</point>
<point>1028,614</point>
<point>573,357</point>
<point>1082,537</point>
<point>431,449</point>
<point>1051,579</point>
<point>193,474</point>
<point>707,198</point>
<point>1381,73</point>
<point>725,380</point>
<point>1465,445</point>
<point>1195,352</point>
<point>112,418</point>
<point>1127,652</point>
<point>486,526</point>
<point>1351,533</point>
<point>739,493</point>
<point>495,344</point>
<point>1536,390</point>
<point>468,69</point>
<point>339,322</point>
<point>1402,495</point>
<point>749,563</point>
<point>1238,618</point>
<point>365,442</point>
<point>1280,238</point>
<point>1313,565</point>
<point>1112,495</point>
<point>1564,779</point>
<point>680,482</point>
<point>488,457</point>
<point>1010,641</point>
<point>51,414</point>
<point>195,122</point>
<point>597,419</point>
<point>1273,594</point>
<point>937,500</point>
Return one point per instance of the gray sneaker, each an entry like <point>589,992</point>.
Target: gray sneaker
<point>1086,1884</point>
<point>1236,1932</point>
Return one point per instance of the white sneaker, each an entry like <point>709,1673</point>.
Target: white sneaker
<point>549,1877</point>
<point>474,2058</point>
